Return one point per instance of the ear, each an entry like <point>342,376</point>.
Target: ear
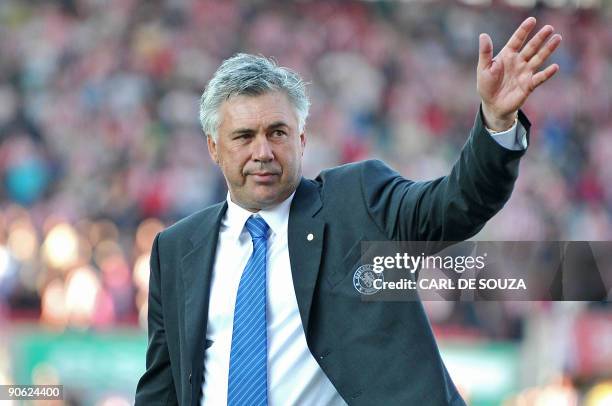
<point>212,149</point>
<point>303,141</point>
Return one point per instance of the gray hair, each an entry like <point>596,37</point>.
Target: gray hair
<point>250,75</point>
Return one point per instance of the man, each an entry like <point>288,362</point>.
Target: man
<point>252,300</point>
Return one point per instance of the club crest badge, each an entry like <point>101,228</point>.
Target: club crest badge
<point>364,278</point>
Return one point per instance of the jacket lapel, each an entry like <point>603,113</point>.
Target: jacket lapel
<point>305,240</point>
<point>197,270</point>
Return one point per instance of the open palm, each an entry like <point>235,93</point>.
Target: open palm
<point>505,82</point>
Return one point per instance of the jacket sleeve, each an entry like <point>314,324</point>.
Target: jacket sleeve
<point>450,208</point>
<point>156,385</point>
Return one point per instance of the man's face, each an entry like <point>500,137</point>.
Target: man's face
<point>259,149</point>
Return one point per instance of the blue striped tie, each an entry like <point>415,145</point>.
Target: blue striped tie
<point>248,371</point>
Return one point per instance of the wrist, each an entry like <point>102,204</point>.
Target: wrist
<point>498,123</point>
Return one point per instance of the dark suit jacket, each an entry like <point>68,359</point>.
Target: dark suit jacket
<point>374,353</point>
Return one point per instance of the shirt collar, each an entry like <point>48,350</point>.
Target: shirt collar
<point>277,217</point>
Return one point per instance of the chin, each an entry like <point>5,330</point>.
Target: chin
<point>266,201</point>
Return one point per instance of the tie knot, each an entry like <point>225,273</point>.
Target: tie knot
<point>257,227</point>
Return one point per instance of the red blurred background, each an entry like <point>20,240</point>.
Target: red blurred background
<point>100,148</point>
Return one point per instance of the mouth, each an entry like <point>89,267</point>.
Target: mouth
<point>264,177</point>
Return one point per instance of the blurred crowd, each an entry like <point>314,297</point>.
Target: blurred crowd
<point>100,144</point>
<point>101,148</point>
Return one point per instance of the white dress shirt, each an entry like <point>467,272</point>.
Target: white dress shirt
<point>294,377</point>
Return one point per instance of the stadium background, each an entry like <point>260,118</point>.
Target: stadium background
<point>100,148</point>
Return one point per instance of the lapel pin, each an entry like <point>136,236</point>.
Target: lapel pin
<point>310,237</point>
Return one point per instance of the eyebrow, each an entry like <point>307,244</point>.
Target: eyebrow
<point>274,125</point>
<point>277,124</point>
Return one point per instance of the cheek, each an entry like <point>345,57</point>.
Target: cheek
<point>298,154</point>
<point>232,165</point>
<point>235,169</point>
<point>291,164</point>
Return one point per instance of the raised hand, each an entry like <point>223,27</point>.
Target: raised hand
<point>505,82</point>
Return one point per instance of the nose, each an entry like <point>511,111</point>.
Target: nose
<point>262,152</point>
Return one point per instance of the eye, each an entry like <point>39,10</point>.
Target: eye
<point>279,133</point>
<point>242,137</point>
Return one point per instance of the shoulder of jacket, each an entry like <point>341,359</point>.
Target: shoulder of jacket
<point>187,225</point>
<point>351,169</point>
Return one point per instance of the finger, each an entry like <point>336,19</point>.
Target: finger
<point>534,45</point>
<point>485,51</point>
<point>520,35</point>
<point>545,52</point>
<point>543,76</point>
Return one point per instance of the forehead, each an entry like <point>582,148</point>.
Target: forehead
<point>257,111</point>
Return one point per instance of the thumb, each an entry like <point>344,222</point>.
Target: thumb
<point>485,51</point>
